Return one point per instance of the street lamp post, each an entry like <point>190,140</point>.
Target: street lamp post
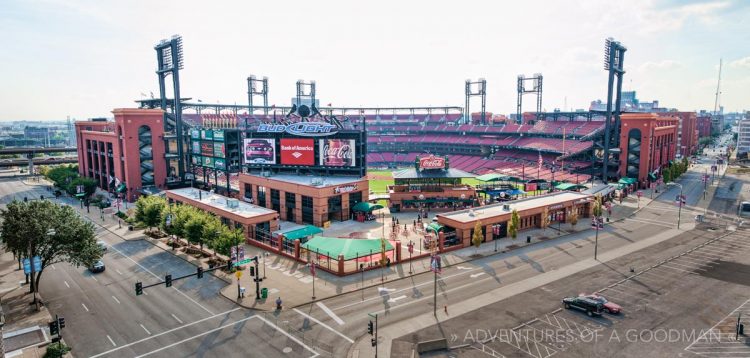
<point>679,202</point>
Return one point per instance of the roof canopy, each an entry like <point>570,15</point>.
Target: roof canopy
<point>490,177</point>
<point>569,186</point>
<point>366,207</point>
<point>305,231</point>
<point>412,173</point>
<point>627,181</point>
<point>349,248</point>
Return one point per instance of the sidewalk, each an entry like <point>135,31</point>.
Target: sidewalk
<point>292,282</point>
<point>25,332</point>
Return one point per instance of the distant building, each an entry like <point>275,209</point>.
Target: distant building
<point>39,134</point>
<point>743,136</point>
<point>703,124</point>
<point>687,131</point>
<point>629,103</point>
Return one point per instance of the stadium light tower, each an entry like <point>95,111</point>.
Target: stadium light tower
<point>170,60</point>
<point>476,88</point>
<point>536,88</point>
<point>256,87</point>
<point>614,55</point>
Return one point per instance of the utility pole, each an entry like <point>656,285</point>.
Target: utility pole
<point>372,329</point>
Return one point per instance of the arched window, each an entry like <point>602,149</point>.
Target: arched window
<point>634,153</point>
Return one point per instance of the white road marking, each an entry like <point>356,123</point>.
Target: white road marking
<point>330,313</point>
<point>111,341</point>
<point>84,307</point>
<point>177,319</point>
<point>155,276</point>
<point>383,289</point>
<point>94,278</point>
<point>476,275</point>
<point>144,328</point>
<point>66,284</point>
<point>118,271</point>
<point>53,267</point>
<point>323,325</point>
<point>463,268</point>
<point>116,300</point>
<point>392,300</point>
<point>166,332</point>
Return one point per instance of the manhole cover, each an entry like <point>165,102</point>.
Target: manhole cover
<point>287,350</point>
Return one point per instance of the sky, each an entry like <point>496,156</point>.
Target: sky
<point>84,58</point>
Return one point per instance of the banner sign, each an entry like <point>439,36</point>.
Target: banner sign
<point>197,160</point>
<point>208,162</point>
<point>207,148</point>
<point>219,150</point>
<point>432,162</point>
<point>220,164</point>
<point>305,129</point>
<point>337,152</point>
<point>297,151</point>
<point>195,134</point>
<point>344,189</point>
<point>260,151</point>
<point>207,134</point>
<point>219,135</point>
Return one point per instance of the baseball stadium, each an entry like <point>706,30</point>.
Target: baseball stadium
<point>332,184</point>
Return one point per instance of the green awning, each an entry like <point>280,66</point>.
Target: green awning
<point>80,195</point>
<point>121,188</point>
<point>349,248</point>
<point>366,207</point>
<point>651,176</point>
<point>434,227</point>
<point>306,231</point>
<point>569,186</point>
<point>490,177</point>
<point>627,181</point>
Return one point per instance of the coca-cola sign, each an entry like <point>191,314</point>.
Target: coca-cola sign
<point>337,152</point>
<point>432,162</point>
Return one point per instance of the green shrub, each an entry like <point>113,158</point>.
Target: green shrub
<point>56,350</point>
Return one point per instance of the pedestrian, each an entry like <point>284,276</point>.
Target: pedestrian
<point>446,309</point>
<point>397,223</point>
<point>415,223</point>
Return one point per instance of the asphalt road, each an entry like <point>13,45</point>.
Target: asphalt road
<point>104,317</point>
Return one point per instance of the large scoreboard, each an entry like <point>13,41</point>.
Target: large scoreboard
<point>318,146</point>
<point>215,156</point>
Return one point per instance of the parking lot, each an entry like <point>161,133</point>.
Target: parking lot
<point>681,297</point>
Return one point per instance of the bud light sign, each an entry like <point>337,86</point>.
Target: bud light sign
<point>337,152</point>
<point>432,162</point>
<point>305,129</point>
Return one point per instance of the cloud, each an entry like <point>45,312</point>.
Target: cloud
<point>741,63</point>
<point>664,18</point>
<point>660,65</point>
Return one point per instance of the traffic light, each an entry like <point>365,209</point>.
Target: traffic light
<point>138,288</point>
<point>373,342</point>
<point>252,271</point>
<point>168,280</point>
<point>61,322</point>
<point>25,199</point>
<point>370,327</point>
<point>41,197</point>
<point>200,272</point>
<point>229,266</point>
<point>53,329</point>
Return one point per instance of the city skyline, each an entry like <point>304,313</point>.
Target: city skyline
<point>85,58</point>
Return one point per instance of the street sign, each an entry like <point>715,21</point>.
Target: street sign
<point>639,193</point>
<point>713,168</point>
<point>435,264</point>
<point>243,262</point>
<point>238,274</point>
<point>27,266</point>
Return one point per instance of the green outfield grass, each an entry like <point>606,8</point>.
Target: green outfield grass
<point>381,185</point>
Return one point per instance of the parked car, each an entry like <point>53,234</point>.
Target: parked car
<point>97,267</point>
<point>102,245</point>
<point>259,149</point>
<point>591,307</point>
<point>609,306</point>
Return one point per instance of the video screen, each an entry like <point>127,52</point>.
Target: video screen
<point>337,152</point>
<point>260,150</point>
<point>297,151</point>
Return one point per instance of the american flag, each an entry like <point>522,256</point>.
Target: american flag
<point>540,161</point>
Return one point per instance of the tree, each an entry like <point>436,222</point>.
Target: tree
<point>193,230</point>
<point>573,216</point>
<point>148,210</point>
<point>211,230</point>
<point>89,186</point>
<point>545,219</point>
<point>53,232</point>
<point>513,224</point>
<point>226,240</point>
<point>477,237</point>
<point>667,174</point>
<point>596,209</point>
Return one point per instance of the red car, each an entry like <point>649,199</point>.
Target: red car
<point>609,306</point>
